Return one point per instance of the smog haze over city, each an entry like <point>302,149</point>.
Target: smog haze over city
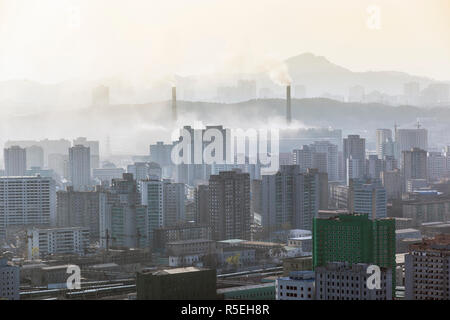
<point>224,150</point>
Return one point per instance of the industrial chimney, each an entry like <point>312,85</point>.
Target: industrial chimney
<point>174,103</point>
<point>288,105</point>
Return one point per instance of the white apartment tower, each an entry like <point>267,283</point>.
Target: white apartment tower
<point>15,161</point>
<point>27,201</point>
<point>80,168</point>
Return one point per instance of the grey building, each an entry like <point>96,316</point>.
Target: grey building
<point>427,269</point>
<point>344,281</point>
<point>229,205</point>
<point>9,281</point>
<point>15,161</point>
<point>290,198</point>
<point>80,168</point>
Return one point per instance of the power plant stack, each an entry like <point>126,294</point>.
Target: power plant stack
<point>174,104</point>
<point>288,105</point>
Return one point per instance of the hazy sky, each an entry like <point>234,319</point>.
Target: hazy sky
<point>54,40</point>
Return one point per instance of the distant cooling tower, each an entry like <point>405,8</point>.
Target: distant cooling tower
<point>288,105</point>
<point>174,103</point>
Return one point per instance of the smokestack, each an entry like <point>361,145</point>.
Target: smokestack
<point>288,105</point>
<point>174,103</point>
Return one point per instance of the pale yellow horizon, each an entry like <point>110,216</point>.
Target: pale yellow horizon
<point>56,40</point>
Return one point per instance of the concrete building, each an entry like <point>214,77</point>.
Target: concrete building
<point>348,281</point>
<point>374,166</point>
<point>265,291</point>
<point>80,168</point>
<point>321,155</point>
<point>427,269</point>
<point>383,139</point>
<point>290,198</point>
<point>125,221</point>
<point>181,232</point>
<point>229,204</point>
<point>177,284</point>
<point>105,175</point>
<point>297,264</point>
<point>392,183</point>
<point>15,161</point>
<point>354,238</point>
<point>27,201</point>
<point>355,149</point>
<point>45,242</point>
<point>60,164</point>
<point>81,209</point>
<point>190,252</point>
<point>414,164</point>
<point>298,286</point>
<point>9,281</point>
<point>152,196</point>
<point>94,150</point>
<point>421,209</point>
<point>202,204</point>
<point>140,171</point>
<point>35,157</point>
<point>174,203</point>
<point>161,153</point>
<point>408,139</point>
<point>369,198</point>
<point>436,165</point>
<point>60,146</point>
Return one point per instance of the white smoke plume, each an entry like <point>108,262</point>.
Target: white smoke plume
<point>277,71</point>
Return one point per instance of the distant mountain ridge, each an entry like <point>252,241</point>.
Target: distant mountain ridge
<point>316,73</point>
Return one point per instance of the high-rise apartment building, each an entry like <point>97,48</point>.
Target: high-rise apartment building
<point>414,165</point>
<point>427,269</point>
<point>229,205</point>
<point>202,204</point>
<point>354,238</point>
<point>436,165</point>
<point>94,149</point>
<point>321,155</point>
<point>81,209</point>
<point>383,141</point>
<point>124,222</point>
<point>152,196</point>
<point>368,197</point>
<point>15,161</point>
<point>290,198</point>
<point>35,157</point>
<point>407,139</point>
<point>27,201</point>
<point>355,149</point>
<point>174,203</point>
<point>80,168</point>
<point>392,182</point>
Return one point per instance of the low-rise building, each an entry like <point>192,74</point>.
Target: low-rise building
<point>177,284</point>
<point>44,242</point>
<point>9,281</point>
<point>297,264</point>
<point>298,286</point>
